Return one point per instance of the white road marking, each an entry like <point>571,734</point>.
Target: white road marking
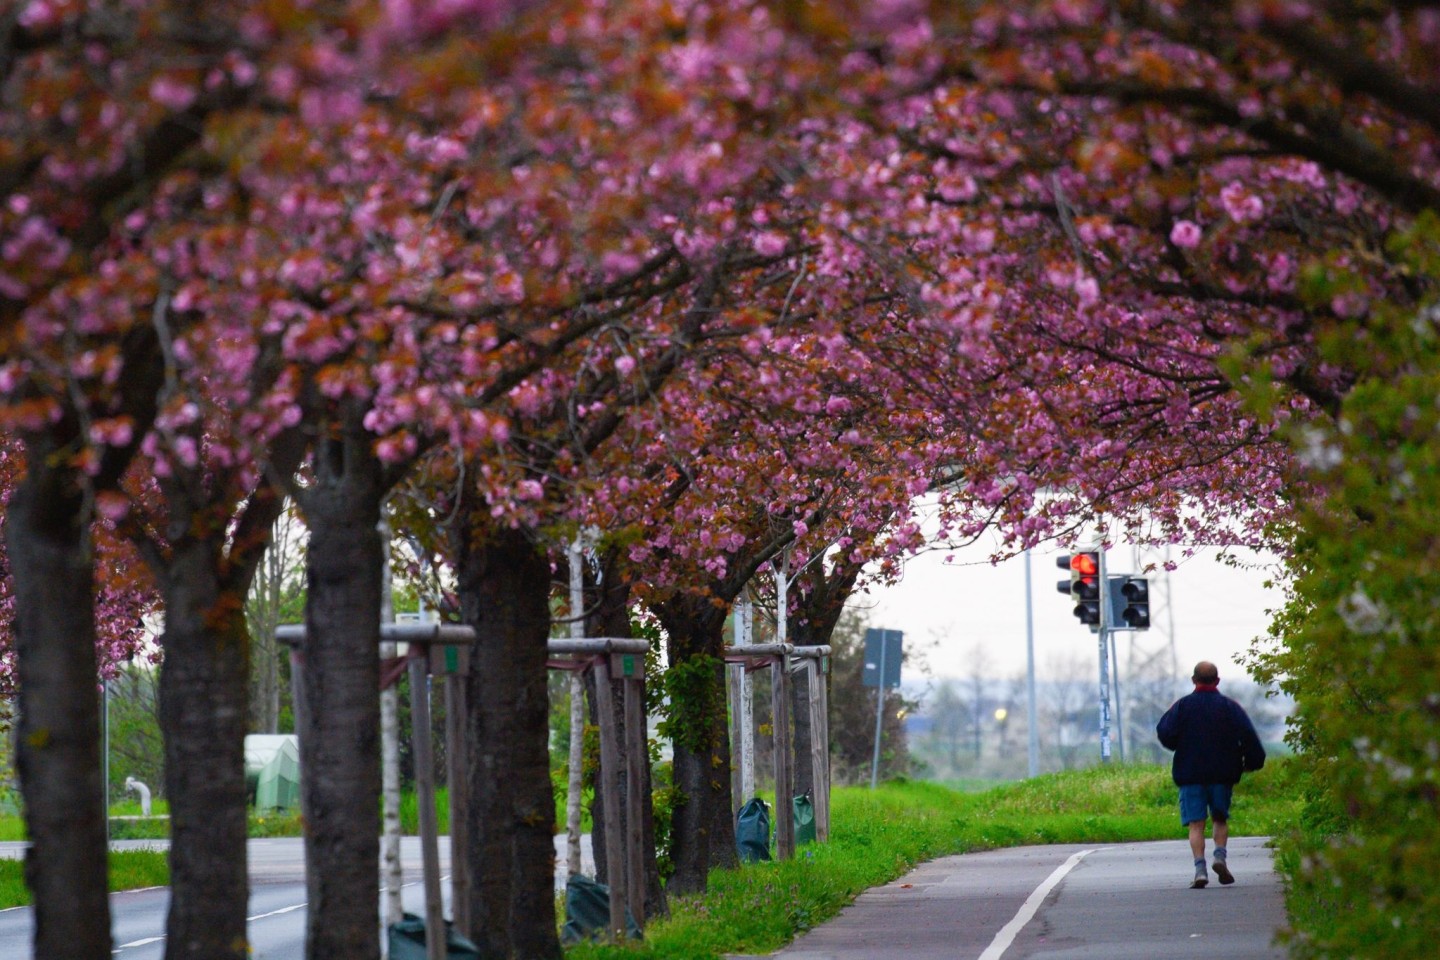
<point>258,916</point>
<point>137,943</point>
<point>275,913</point>
<point>1007,933</point>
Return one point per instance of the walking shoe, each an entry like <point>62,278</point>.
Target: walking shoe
<point>1223,872</point>
<point>1201,878</point>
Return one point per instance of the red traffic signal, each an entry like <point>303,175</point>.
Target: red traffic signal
<point>1083,585</point>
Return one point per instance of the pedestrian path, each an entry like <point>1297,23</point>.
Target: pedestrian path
<point>1069,902</point>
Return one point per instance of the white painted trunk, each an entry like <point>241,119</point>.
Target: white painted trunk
<point>390,869</point>
<point>575,770</point>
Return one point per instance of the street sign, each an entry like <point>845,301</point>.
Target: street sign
<point>882,647</point>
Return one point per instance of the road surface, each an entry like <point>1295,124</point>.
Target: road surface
<point>1097,902</point>
<point>277,900</point>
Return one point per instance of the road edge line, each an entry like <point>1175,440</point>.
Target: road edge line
<point>1028,909</point>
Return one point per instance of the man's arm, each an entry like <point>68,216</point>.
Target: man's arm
<point>1168,729</point>
<point>1252,751</point>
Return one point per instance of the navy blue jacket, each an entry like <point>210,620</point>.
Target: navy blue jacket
<point>1213,739</point>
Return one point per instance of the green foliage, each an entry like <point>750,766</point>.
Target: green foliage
<point>1361,633</point>
<point>693,699</point>
<point>136,747</point>
<point>129,870</point>
<point>878,835</point>
<point>663,797</point>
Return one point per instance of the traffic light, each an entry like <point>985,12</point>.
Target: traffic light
<point>1083,585</point>
<point>1137,603</point>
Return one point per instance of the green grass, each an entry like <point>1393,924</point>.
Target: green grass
<point>875,837</point>
<point>129,870</point>
<point>878,835</point>
<point>273,823</point>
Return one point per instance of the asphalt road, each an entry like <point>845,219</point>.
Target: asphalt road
<point>277,900</point>
<point>1102,902</point>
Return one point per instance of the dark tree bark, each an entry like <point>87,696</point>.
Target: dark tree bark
<point>340,721</point>
<point>204,570</point>
<point>202,714</point>
<point>47,535</point>
<point>702,830</point>
<point>504,587</point>
<point>608,606</point>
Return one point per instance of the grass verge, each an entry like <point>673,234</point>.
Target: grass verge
<point>878,835</point>
<point>129,870</point>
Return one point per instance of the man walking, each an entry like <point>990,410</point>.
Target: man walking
<point>1214,742</point>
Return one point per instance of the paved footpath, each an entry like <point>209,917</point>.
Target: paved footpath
<point>1094,902</point>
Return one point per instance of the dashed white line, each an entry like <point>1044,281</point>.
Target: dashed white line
<point>1007,933</point>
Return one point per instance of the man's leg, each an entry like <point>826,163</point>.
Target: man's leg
<point>1197,848</point>
<point>1193,807</point>
<point>1222,868</point>
<point>1197,838</point>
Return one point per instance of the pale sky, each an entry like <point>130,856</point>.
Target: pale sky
<point>1218,610</point>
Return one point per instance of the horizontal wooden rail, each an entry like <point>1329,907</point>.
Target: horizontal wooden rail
<point>417,633</point>
<point>759,650</point>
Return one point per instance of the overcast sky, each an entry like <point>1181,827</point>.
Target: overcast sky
<point>954,610</point>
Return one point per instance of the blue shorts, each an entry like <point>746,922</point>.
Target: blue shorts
<point>1195,798</point>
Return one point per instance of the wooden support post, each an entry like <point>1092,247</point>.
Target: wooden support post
<point>734,680</point>
<point>457,776</point>
<point>825,736</point>
<point>298,707</point>
<point>636,758</point>
<point>747,737</point>
<point>784,774</point>
<point>615,869</point>
<point>435,946</point>
<point>819,748</point>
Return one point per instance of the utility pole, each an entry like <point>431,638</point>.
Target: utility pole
<point>1103,637</point>
<point>1031,720</point>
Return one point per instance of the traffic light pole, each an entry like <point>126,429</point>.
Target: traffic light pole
<point>1103,636</point>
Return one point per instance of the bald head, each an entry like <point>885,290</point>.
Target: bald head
<point>1206,672</point>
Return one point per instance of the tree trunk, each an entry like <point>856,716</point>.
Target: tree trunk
<point>609,605</point>
<point>58,760</point>
<point>504,586</point>
<point>203,718</point>
<point>340,722</point>
<point>702,829</point>
<point>822,599</point>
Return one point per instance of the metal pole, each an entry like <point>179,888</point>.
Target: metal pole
<point>1102,636</point>
<point>1032,721</point>
<point>1115,682</point>
<point>879,707</point>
